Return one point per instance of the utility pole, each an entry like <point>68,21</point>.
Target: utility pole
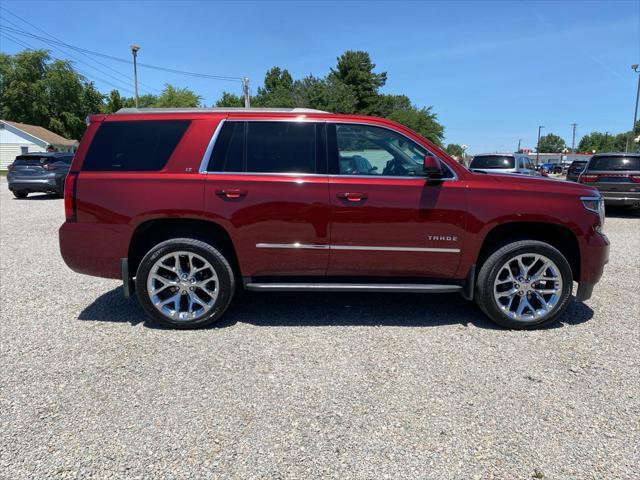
<point>634,67</point>
<point>540,127</point>
<point>245,92</point>
<point>519,142</point>
<point>573,141</point>
<point>134,52</point>
<point>606,142</point>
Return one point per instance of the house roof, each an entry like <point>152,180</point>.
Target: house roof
<point>43,134</point>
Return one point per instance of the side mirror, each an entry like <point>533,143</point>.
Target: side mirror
<point>431,166</point>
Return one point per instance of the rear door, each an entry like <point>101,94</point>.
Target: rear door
<point>267,183</point>
<point>388,220</point>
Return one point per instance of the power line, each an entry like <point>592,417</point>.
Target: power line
<point>122,60</point>
<point>126,77</point>
<point>89,65</point>
<point>30,47</point>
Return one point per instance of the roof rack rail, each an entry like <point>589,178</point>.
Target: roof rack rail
<point>128,111</point>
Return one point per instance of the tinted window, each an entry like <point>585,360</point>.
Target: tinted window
<point>134,146</point>
<point>577,166</point>
<point>368,150</point>
<point>228,152</point>
<point>615,163</point>
<point>281,147</point>
<point>35,159</point>
<point>493,161</point>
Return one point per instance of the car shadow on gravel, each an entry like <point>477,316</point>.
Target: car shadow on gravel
<point>328,309</point>
<point>622,212</point>
<point>42,196</point>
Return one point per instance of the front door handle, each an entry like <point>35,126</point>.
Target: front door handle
<point>231,193</point>
<point>352,196</point>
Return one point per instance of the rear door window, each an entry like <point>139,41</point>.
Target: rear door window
<point>615,162</point>
<point>134,145</point>
<point>269,147</point>
<point>493,161</point>
<point>281,147</point>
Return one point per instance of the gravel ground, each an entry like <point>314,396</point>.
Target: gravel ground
<point>308,386</point>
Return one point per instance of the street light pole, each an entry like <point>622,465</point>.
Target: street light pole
<point>134,52</point>
<point>634,67</point>
<point>573,141</point>
<point>540,127</point>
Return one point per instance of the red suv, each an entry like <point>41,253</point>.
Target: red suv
<point>186,206</point>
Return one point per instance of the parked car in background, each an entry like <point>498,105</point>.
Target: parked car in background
<point>616,176</point>
<point>186,206</point>
<point>575,169</point>
<point>503,163</point>
<point>38,172</point>
<point>551,167</point>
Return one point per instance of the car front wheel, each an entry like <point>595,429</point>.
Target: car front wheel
<point>184,283</point>
<point>525,284</point>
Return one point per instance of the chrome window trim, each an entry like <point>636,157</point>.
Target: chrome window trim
<point>207,153</point>
<point>302,246</point>
<point>216,133</point>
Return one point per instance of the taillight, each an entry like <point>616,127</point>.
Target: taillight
<point>635,178</point>
<point>70,211</point>
<point>588,178</point>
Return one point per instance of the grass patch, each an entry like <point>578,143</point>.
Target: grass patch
<point>3,173</point>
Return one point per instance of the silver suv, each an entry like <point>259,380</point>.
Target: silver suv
<point>503,163</point>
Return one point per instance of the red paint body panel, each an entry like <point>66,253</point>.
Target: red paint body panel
<point>305,209</point>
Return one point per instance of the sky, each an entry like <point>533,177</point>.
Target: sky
<point>492,71</point>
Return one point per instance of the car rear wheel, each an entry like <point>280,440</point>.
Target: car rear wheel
<point>184,283</point>
<point>525,284</point>
<point>20,194</point>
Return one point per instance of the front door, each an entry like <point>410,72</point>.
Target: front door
<point>267,185</point>
<point>387,218</point>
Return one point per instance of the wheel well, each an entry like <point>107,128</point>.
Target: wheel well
<point>151,233</point>
<point>556,235</point>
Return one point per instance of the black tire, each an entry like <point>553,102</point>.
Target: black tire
<point>20,194</point>
<point>225,284</point>
<point>490,269</point>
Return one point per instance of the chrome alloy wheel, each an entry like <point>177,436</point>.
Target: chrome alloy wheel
<point>528,287</point>
<point>182,286</point>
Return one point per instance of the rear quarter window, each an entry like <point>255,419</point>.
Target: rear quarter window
<point>134,145</point>
<point>617,162</point>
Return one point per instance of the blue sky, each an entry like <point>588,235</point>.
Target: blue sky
<point>493,71</point>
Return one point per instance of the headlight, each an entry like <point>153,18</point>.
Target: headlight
<point>595,205</point>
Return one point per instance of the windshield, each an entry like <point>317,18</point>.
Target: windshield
<point>615,163</point>
<point>492,161</point>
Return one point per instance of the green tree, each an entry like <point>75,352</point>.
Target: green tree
<point>551,143</point>
<point>277,91</point>
<point>230,100</point>
<point>355,69</point>
<point>422,121</point>
<point>40,91</point>
<point>174,97</point>
<point>455,150</point>
<point>326,94</point>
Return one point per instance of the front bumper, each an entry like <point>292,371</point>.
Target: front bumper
<point>595,255</point>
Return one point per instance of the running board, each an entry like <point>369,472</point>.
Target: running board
<point>354,287</point>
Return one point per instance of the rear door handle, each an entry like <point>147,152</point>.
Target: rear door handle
<point>352,196</point>
<point>231,193</point>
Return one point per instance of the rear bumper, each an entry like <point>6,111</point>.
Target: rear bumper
<point>621,198</point>
<point>27,184</point>
<point>93,249</point>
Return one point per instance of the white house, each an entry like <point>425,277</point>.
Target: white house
<point>18,138</point>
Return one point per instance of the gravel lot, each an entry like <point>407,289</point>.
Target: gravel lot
<point>308,386</point>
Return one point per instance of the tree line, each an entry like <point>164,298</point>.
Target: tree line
<point>40,90</point>
<point>593,142</point>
